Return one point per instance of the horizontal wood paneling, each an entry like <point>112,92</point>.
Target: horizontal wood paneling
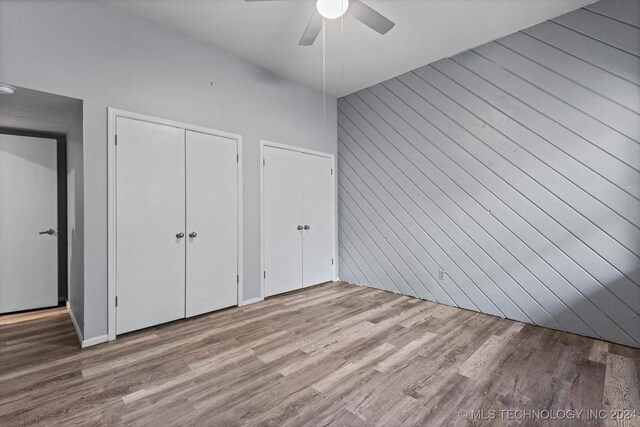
<point>505,179</point>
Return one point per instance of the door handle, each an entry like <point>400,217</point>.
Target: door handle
<point>193,234</point>
<point>180,235</point>
<point>307,227</point>
<point>299,227</point>
<point>50,232</point>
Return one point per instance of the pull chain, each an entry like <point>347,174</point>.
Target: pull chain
<point>324,77</point>
<point>342,49</point>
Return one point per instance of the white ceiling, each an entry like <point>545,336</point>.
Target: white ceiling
<point>33,110</point>
<point>267,33</point>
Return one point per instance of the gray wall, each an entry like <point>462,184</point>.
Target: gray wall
<point>514,169</point>
<point>106,57</point>
<point>75,218</point>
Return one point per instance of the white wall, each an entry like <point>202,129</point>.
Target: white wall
<point>105,57</point>
<point>75,218</point>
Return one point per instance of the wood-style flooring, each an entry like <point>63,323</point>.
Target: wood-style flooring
<point>24,316</point>
<point>334,354</point>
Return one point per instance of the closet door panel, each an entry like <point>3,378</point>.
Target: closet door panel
<point>318,215</point>
<point>282,203</point>
<point>212,214</point>
<point>150,212</point>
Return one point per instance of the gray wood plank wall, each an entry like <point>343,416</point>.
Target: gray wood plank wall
<point>505,179</point>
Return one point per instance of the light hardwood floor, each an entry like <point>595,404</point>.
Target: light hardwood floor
<point>334,354</point>
<point>24,316</point>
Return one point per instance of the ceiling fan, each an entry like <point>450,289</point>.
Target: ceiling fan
<point>332,9</point>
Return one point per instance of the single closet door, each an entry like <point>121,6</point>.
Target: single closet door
<point>318,215</point>
<point>150,224</point>
<point>282,202</point>
<point>212,223</point>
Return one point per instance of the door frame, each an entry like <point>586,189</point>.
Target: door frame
<point>112,115</point>
<point>266,143</point>
<point>62,276</point>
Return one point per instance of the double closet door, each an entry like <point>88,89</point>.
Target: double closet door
<point>177,223</point>
<point>298,219</point>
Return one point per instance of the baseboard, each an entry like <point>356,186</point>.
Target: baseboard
<point>75,325</point>
<point>95,341</point>
<point>88,342</point>
<point>251,301</point>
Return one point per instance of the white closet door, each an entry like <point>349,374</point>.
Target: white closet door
<point>318,215</point>
<point>150,218</point>
<point>212,223</point>
<point>282,202</point>
<point>28,208</point>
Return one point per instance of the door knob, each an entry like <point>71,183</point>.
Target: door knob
<point>180,235</point>
<point>299,227</point>
<point>193,234</point>
<point>306,227</point>
<point>50,232</point>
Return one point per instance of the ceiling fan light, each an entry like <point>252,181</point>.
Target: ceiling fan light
<point>332,9</point>
<point>6,89</point>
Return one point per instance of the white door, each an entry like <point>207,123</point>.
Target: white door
<point>212,223</point>
<point>28,223</point>
<point>150,224</point>
<point>318,215</point>
<point>282,202</point>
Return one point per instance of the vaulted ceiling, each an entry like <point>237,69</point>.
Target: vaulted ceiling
<point>266,33</point>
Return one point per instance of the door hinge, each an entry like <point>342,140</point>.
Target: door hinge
<point>331,171</point>
<point>237,158</point>
<point>238,278</point>
<point>331,261</point>
<point>116,139</point>
<point>264,274</point>
<point>263,162</point>
<point>116,301</point>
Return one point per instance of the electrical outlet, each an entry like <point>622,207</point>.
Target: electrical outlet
<point>441,275</point>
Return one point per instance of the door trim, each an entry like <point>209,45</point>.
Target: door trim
<point>266,143</point>
<point>112,115</point>
<point>59,279</point>
<point>63,216</point>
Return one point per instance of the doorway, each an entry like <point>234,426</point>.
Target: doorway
<point>34,202</point>
<point>33,243</point>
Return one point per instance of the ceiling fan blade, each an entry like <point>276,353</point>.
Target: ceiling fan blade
<point>311,32</point>
<point>369,17</point>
